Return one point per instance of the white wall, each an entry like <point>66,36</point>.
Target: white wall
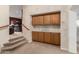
<point>15,11</point>
<point>64,29</point>
<point>4,20</point>
<point>72,31</point>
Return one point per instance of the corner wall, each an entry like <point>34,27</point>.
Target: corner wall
<point>4,20</point>
<point>16,11</point>
<point>72,31</point>
<point>64,29</point>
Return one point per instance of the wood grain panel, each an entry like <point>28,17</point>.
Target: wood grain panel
<point>47,37</point>
<point>35,20</point>
<point>55,19</point>
<point>35,36</point>
<point>56,38</point>
<point>41,36</point>
<point>40,20</point>
<point>51,38</point>
<point>46,19</point>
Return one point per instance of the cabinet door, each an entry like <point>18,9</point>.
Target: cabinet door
<point>41,36</point>
<point>47,37</point>
<point>46,19</point>
<point>35,36</point>
<point>56,38</point>
<point>40,20</point>
<point>52,38</point>
<point>34,20</point>
<point>55,19</point>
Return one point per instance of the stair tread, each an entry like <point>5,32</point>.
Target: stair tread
<point>15,35</point>
<point>15,41</point>
<point>14,46</point>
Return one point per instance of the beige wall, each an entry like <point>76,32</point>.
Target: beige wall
<point>16,11</point>
<point>4,20</point>
<point>64,29</point>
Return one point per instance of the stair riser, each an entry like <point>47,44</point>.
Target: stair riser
<point>15,39</point>
<point>9,44</point>
<point>14,47</point>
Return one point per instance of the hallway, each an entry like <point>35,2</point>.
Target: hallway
<point>37,48</point>
<point>43,23</point>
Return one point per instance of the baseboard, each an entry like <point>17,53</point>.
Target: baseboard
<point>29,41</point>
<point>64,49</point>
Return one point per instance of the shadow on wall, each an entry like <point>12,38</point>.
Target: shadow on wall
<point>0,48</point>
<point>78,34</point>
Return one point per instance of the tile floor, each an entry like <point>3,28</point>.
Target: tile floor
<point>38,48</point>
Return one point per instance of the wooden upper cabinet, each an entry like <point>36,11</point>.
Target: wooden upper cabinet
<point>40,20</point>
<point>46,19</point>
<point>35,20</point>
<point>55,19</point>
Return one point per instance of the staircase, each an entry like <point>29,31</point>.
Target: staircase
<point>13,43</point>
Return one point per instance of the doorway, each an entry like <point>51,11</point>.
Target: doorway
<point>15,19</point>
<point>15,25</point>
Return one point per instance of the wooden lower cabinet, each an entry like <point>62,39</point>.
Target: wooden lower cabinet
<point>35,36</point>
<point>52,38</point>
<point>41,36</point>
<point>47,37</point>
<point>56,37</point>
